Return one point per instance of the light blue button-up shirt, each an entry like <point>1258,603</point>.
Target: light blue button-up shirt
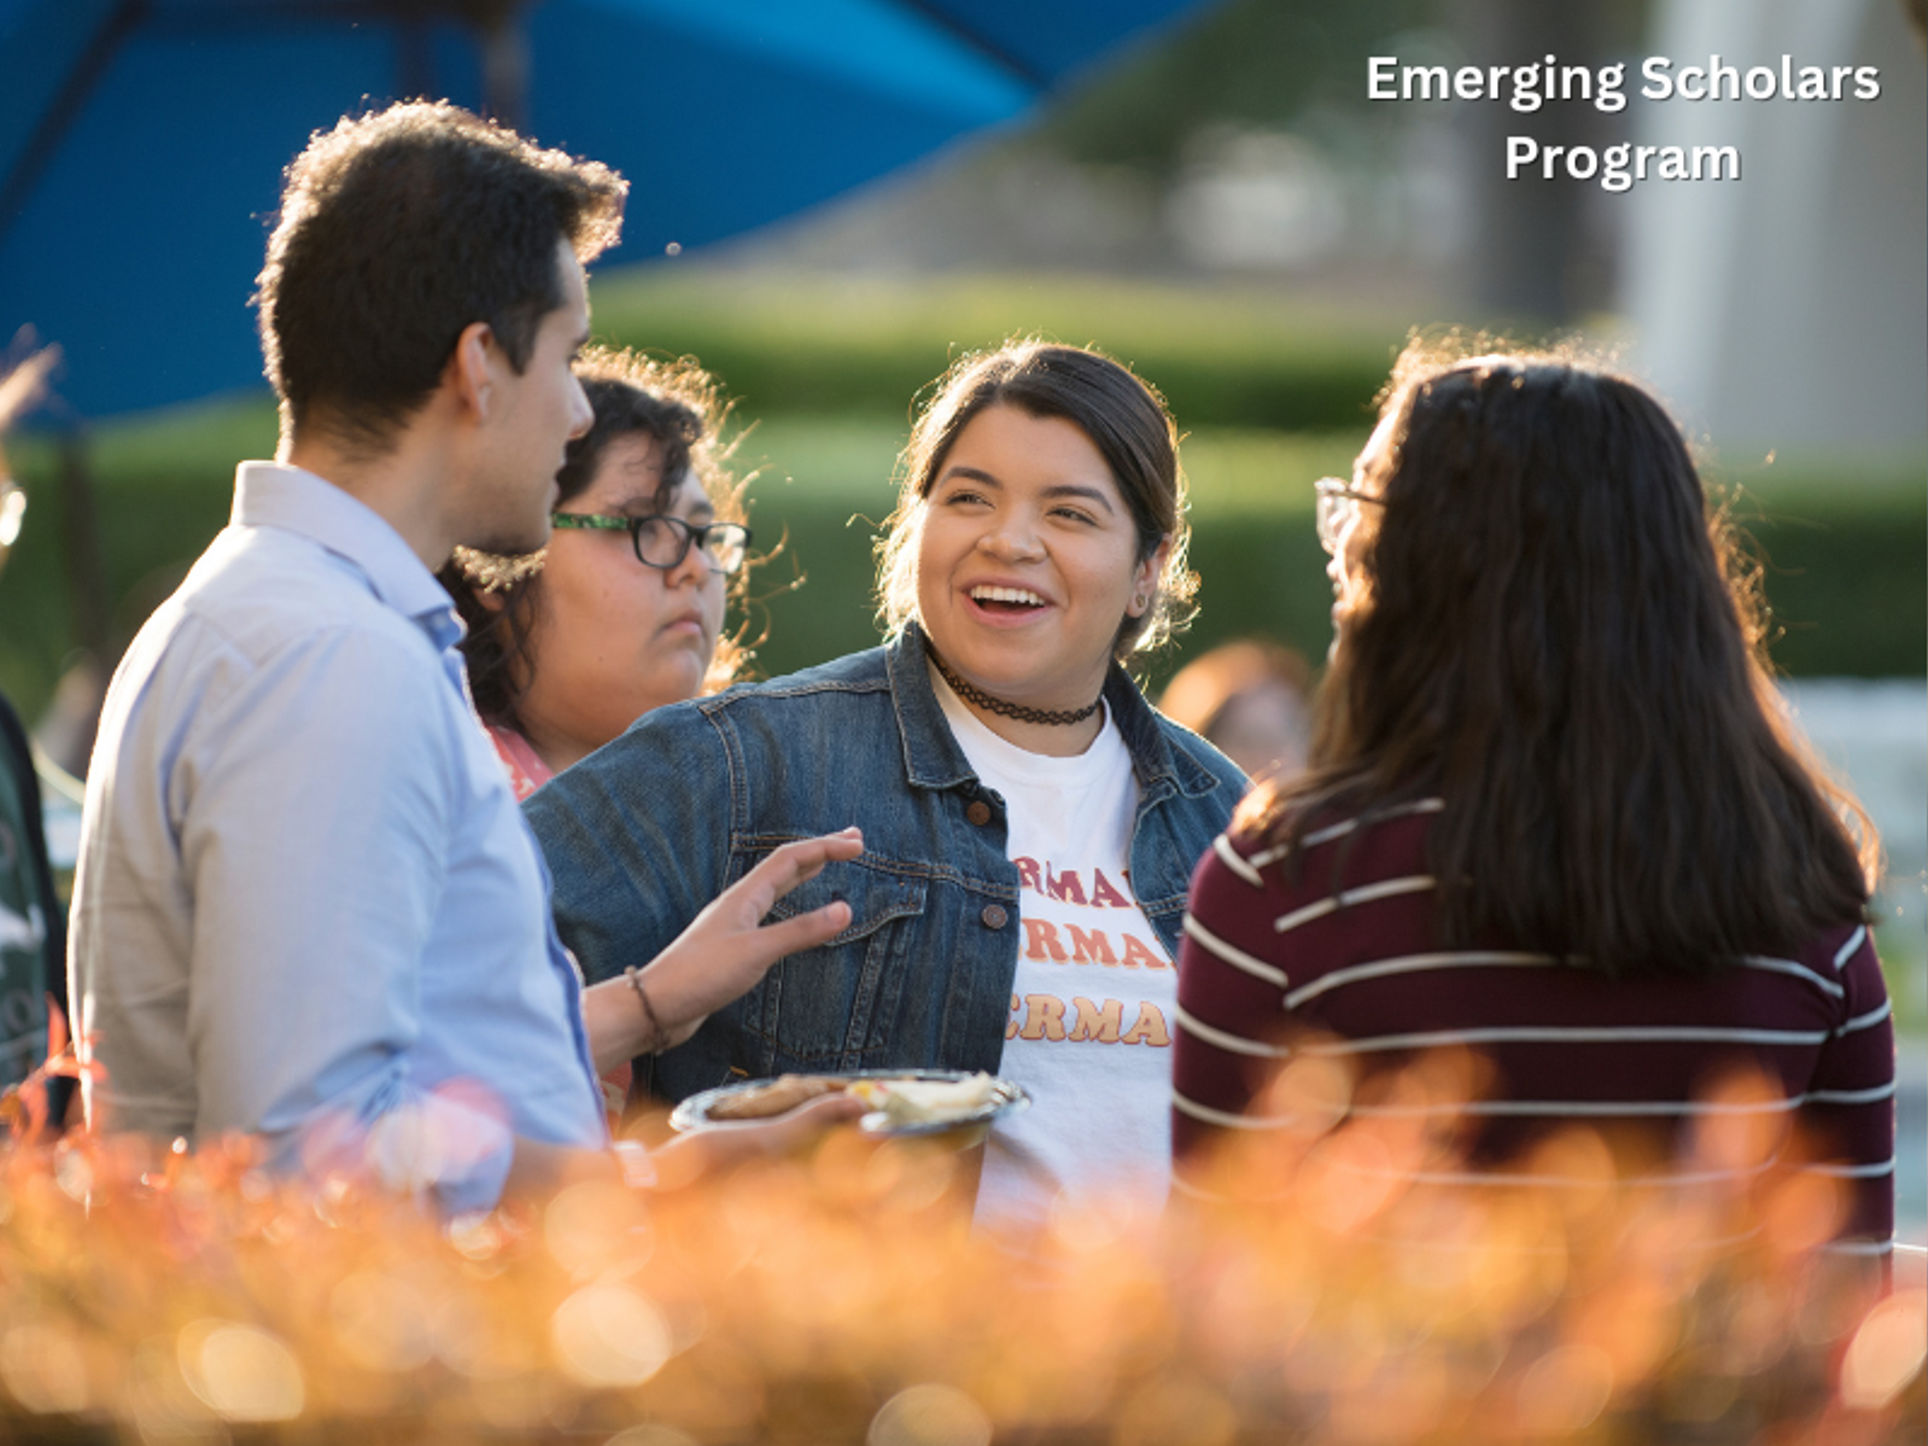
<point>307,906</point>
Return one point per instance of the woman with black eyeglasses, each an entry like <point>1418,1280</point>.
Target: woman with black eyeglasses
<point>623,611</point>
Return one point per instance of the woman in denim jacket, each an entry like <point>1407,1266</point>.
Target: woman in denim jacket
<point>1029,822</point>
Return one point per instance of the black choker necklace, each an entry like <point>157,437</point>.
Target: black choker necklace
<point>977,697</point>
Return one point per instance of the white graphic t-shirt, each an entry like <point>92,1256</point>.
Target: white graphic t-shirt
<point>1089,1035</point>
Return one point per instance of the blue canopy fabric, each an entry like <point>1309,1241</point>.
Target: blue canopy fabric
<point>142,141</point>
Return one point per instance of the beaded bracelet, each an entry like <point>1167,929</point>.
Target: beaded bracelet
<point>658,1036</point>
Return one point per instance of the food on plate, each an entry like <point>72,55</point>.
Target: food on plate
<point>779,1096</point>
<point>928,1101</point>
<point>922,1102</point>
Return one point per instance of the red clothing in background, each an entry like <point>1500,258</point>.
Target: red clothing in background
<point>527,772</point>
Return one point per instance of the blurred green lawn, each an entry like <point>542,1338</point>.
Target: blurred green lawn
<point>1275,391</point>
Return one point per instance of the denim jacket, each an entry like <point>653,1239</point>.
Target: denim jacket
<point>643,833</point>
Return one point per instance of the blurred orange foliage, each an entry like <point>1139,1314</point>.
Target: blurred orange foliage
<point>844,1296</point>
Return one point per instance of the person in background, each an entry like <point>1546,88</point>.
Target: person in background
<point>23,385</point>
<point>1250,699</point>
<point>1556,816</point>
<point>623,611</point>
<point>1029,822</point>
<point>33,921</point>
<point>307,908</point>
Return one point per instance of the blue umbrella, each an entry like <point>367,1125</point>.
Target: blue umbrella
<point>141,141</point>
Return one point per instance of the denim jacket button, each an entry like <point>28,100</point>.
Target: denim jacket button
<point>979,813</point>
<point>993,916</point>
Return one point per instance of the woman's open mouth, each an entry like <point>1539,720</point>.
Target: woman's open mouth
<point>1007,601</point>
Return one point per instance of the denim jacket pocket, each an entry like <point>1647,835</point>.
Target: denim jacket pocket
<point>818,1009</point>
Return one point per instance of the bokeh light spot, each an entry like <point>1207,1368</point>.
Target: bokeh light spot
<point>1314,1091</point>
<point>1802,1212</point>
<point>930,1415</point>
<point>587,1225</point>
<point>1565,1390</point>
<point>607,1335</point>
<point>240,1372</point>
<point>381,1322</point>
<point>43,1368</point>
<point>1887,1352</point>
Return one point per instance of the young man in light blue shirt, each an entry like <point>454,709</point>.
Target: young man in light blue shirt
<point>307,907</point>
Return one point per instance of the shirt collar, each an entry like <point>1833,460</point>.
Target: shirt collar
<point>932,758</point>
<point>271,494</point>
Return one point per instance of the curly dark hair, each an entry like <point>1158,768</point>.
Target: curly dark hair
<point>399,229</point>
<point>677,403</point>
<point>1557,634</point>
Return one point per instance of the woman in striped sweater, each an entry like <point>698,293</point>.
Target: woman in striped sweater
<point>1557,824</point>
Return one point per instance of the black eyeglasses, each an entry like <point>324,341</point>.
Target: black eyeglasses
<point>664,541</point>
<point>1337,509</point>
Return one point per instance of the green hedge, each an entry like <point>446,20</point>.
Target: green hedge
<point>1844,553</point>
<point>816,345</point>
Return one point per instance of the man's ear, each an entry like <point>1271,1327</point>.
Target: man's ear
<point>470,369</point>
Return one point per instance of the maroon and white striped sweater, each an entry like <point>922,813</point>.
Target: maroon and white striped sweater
<point>1342,958</point>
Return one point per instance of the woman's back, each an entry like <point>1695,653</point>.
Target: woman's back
<point>1340,954</point>
<point>1554,815</point>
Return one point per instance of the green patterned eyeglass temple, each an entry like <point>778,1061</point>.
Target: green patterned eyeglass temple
<point>663,541</point>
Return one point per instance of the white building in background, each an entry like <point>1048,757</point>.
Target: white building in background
<point>1789,308</point>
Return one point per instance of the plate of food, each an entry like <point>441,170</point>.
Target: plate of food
<point>898,1101</point>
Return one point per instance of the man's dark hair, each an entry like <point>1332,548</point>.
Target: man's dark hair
<point>398,230</point>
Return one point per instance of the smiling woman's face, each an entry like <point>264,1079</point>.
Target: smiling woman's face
<point>612,638</point>
<point>1027,560</point>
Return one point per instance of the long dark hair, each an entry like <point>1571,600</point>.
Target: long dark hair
<point>1554,633</point>
<point>677,403</point>
<point>1126,421</point>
